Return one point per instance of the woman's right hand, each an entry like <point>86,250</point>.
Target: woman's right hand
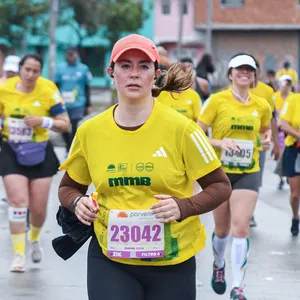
<point>85,210</point>
<point>229,145</point>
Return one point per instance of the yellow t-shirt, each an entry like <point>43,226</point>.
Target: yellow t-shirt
<point>262,90</point>
<point>232,119</point>
<point>291,113</point>
<point>291,72</point>
<point>164,156</point>
<point>188,103</point>
<point>277,98</point>
<point>44,100</point>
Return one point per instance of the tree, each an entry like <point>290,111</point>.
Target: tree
<point>19,17</point>
<point>122,16</point>
<point>113,17</point>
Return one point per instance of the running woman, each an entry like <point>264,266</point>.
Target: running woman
<point>288,70</point>
<point>236,117</point>
<point>285,86</point>
<point>200,85</point>
<point>263,90</point>
<point>290,124</point>
<point>28,162</point>
<point>142,158</point>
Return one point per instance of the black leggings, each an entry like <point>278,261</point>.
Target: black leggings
<point>109,280</point>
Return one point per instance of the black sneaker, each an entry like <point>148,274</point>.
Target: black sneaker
<point>218,282</point>
<point>237,294</point>
<point>295,227</point>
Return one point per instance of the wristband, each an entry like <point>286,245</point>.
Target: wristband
<point>47,122</point>
<point>74,203</point>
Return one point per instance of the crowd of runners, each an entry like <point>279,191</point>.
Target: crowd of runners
<point>181,151</point>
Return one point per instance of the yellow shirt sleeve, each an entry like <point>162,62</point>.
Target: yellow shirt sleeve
<point>76,164</point>
<point>266,116</point>
<point>288,110</point>
<point>270,99</point>
<point>295,76</point>
<point>208,111</point>
<point>196,106</point>
<point>199,157</point>
<point>1,103</point>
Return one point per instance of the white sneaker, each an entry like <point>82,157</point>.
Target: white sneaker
<point>36,252</point>
<point>18,264</point>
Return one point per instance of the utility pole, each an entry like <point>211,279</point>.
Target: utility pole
<point>209,10</point>
<point>54,6</point>
<point>180,30</point>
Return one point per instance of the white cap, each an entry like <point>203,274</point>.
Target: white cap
<point>242,60</point>
<point>285,77</point>
<point>11,63</point>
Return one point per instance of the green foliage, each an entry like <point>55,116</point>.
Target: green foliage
<point>20,16</point>
<point>114,17</point>
<point>122,16</point>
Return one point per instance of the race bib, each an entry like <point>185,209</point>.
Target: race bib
<point>239,159</point>
<point>68,97</point>
<point>134,234</point>
<point>18,131</point>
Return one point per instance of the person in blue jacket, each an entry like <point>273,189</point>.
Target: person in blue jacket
<point>73,80</point>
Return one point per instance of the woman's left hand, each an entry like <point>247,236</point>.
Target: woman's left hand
<point>166,210</point>
<point>33,121</point>
<point>266,139</point>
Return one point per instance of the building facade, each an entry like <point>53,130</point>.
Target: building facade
<point>96,49</point>
<point>166,29</point>
<point>269,30</point>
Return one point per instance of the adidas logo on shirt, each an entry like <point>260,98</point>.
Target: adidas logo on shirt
<point>255,114</point>
<point>160,153</point>
<point>36,104</point>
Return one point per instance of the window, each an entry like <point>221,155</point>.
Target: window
<point>232,3</point>
<point>166,7</point>
<point>95,60</point>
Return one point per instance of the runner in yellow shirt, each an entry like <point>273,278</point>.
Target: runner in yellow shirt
<point>27,159</point>
<point>285,84</point>
<point>290,124</point>
<point>188,103</point>
<point>263,90</point>
<point>287,70</point>
<point>142,158</point>
<point>236,117</point>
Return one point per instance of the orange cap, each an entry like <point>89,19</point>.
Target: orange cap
<point>134,41</point>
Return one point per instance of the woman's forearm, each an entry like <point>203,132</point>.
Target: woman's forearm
<point>216,190</point>
<point>288,129</point>
<point>69,190</point>
<point>61,124</point>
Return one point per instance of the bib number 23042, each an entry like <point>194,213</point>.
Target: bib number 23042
<point>134,234</point>
<point>242,158</point>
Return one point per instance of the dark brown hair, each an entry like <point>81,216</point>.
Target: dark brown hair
<point>176,79</point>
<point>34,56</point>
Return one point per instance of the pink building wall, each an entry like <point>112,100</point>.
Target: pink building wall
<point>168,25</point>
<point>166,30</point>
